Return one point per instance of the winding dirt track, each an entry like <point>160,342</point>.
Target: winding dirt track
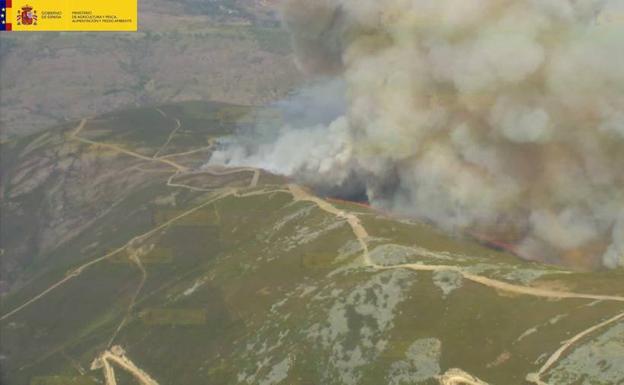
<point>300,194</point>
<point>502,285</point>
<point>189,152</point>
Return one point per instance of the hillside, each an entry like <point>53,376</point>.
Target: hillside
<point>229,50</point>
<point>126,262</point>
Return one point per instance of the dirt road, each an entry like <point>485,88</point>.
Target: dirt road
<point>117,356</point>
<point>178,125</point>
<point>459,377</point>
<point>300,194</point>
<point>83,122</point>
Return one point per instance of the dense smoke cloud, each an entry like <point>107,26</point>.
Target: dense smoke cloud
<point>501,117</point>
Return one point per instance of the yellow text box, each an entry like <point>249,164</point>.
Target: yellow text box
<point>73,15</point>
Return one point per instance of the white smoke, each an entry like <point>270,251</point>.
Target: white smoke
<point>501,117</point>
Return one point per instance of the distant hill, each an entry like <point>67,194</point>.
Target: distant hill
<point>228,50</point>
<point>124,261</point>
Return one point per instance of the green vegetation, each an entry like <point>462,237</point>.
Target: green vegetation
<point>63,380</point>
<point>227,283</point>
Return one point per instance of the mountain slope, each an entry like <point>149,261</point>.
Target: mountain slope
<point>126,260</point>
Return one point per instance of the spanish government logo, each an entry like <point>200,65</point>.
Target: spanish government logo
<point>5,25</point>
<point>68,15</point>
<point>27,16</point>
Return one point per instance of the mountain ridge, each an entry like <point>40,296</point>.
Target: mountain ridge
<point>240,276</point>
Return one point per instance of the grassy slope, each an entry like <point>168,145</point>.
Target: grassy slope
<point>260,289</point>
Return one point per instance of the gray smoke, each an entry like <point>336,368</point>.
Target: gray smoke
<point>501,117</point>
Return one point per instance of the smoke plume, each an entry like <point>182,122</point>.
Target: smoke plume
<point>502,118</point>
